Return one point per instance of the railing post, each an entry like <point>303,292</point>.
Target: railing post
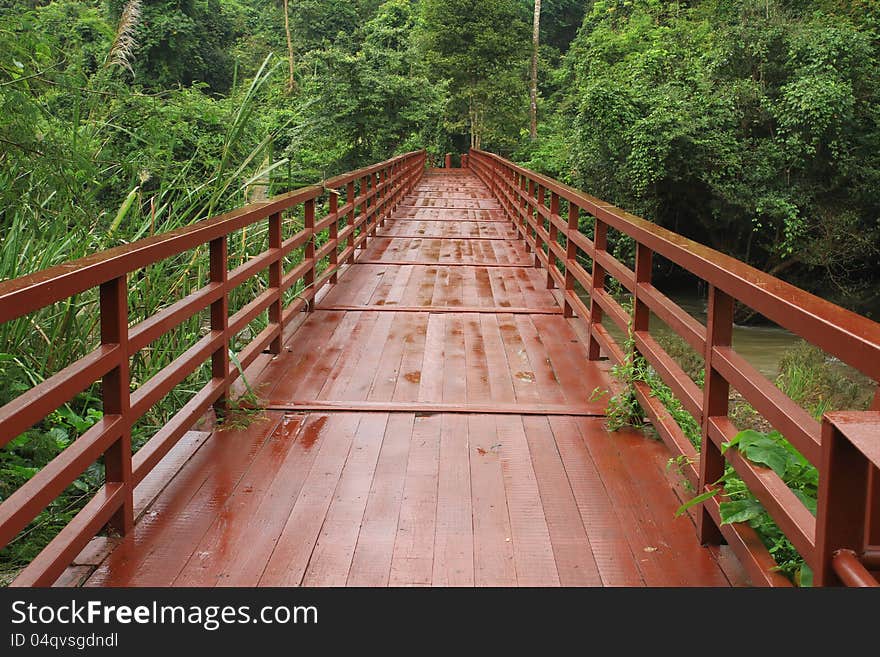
<point>600,243</point>
<point>570,257</point>
<point>524,203</point>
<point>116,398</point>
<point>539,221</point>
<point>841,508</point>
<point>383,195</point>
<point>334,236</point>
<point>641,313</point>
<point>873,513</point>
<point>309,225</point>
<point>448,161</point>
<point>349,198</point>
<point>220,316</point>
<point>554,236</point>
<point>529,188</point>
<point>365,210</point>
<point>275,271</point>
<point>716,389</point>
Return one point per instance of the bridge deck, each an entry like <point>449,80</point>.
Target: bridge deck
<point>428,424</point>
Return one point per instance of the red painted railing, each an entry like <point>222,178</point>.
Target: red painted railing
<point>357,203</point>
<point>532,202</point>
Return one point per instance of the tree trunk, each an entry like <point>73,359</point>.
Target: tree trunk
<point>291,83</point>
<point>533,87</point>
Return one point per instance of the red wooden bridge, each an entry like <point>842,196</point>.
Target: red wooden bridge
<point>427,344</point>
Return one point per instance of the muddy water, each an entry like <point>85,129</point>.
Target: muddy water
<point>761,345</point>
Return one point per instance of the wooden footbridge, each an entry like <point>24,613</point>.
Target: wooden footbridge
<point>427,344</point>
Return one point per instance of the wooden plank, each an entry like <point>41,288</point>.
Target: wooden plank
<point>500,379</point>
<point>486,310</point>
<point>520,374</point>
<point>340,376</point>
<point>297,350</point>
<point>591,409</point>
<point>539,364</point>
<point>289,559</point>
<point>432,372</point>
<point>410,376</point>
<point>454,362</point>
<point>167,535</point>
<point>413,558</point>
<point>646,541</point>
<point>575,373</point>
<point>494,563</point>
<point>361,376</point>
<point>388,368</point>
<point>571,546</point>
<point>611,550</point>
<point>677,540</point>
<point>371,562</point>
<point>532,548</point>
<point>247,560</point>
<point>232,535</point>
<point>454,533</point>
<point>331,559</point>
<point>310,375</point>
<point>476,370</point>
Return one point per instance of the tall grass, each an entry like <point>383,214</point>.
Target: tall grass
<point>42,226</point>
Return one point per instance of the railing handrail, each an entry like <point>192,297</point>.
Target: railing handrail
<point>23,295</point>
<point>856,338</point>
<point>381,188</point>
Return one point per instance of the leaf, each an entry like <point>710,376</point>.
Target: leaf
<point>808,500</point>
<point>123,210</point>
<point>774,457</point>
<point>805,576</point>
<point>742,440</point>
<point>740,511</point>
<point>79,484</point>
<point>696,500</point>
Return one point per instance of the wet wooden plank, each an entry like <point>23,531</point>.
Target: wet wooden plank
<point>371,562</point>
<point>494,563</point>
<point>290,557</point>
<point>413,559</point>
<point>454,361</point>
<point>572,550</point>
<point>500,380</point>
<point>476,369</point>
<point>170,531</point>
<point>233,534</point>
<point>454,534</point>
<point>597,505</point>
<point>331,559</point>
<point>638,525</point>
<point>532,548</point>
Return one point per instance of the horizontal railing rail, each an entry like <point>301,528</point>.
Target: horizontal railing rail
<point>356,204</point>
<point>534,203</point>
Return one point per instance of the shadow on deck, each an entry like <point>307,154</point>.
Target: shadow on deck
<point>429,423</point>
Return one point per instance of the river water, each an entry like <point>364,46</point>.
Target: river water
<point>761,345</point>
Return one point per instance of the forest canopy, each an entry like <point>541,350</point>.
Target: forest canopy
<point>749,125</point>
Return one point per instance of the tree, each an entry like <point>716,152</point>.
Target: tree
<point>533,86</point>
<point>363,104</point>
<point>478,47</point>
<point>291,83</point>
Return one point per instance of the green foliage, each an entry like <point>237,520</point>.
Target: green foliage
<point>748,126</point>
<point>483,65</point>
